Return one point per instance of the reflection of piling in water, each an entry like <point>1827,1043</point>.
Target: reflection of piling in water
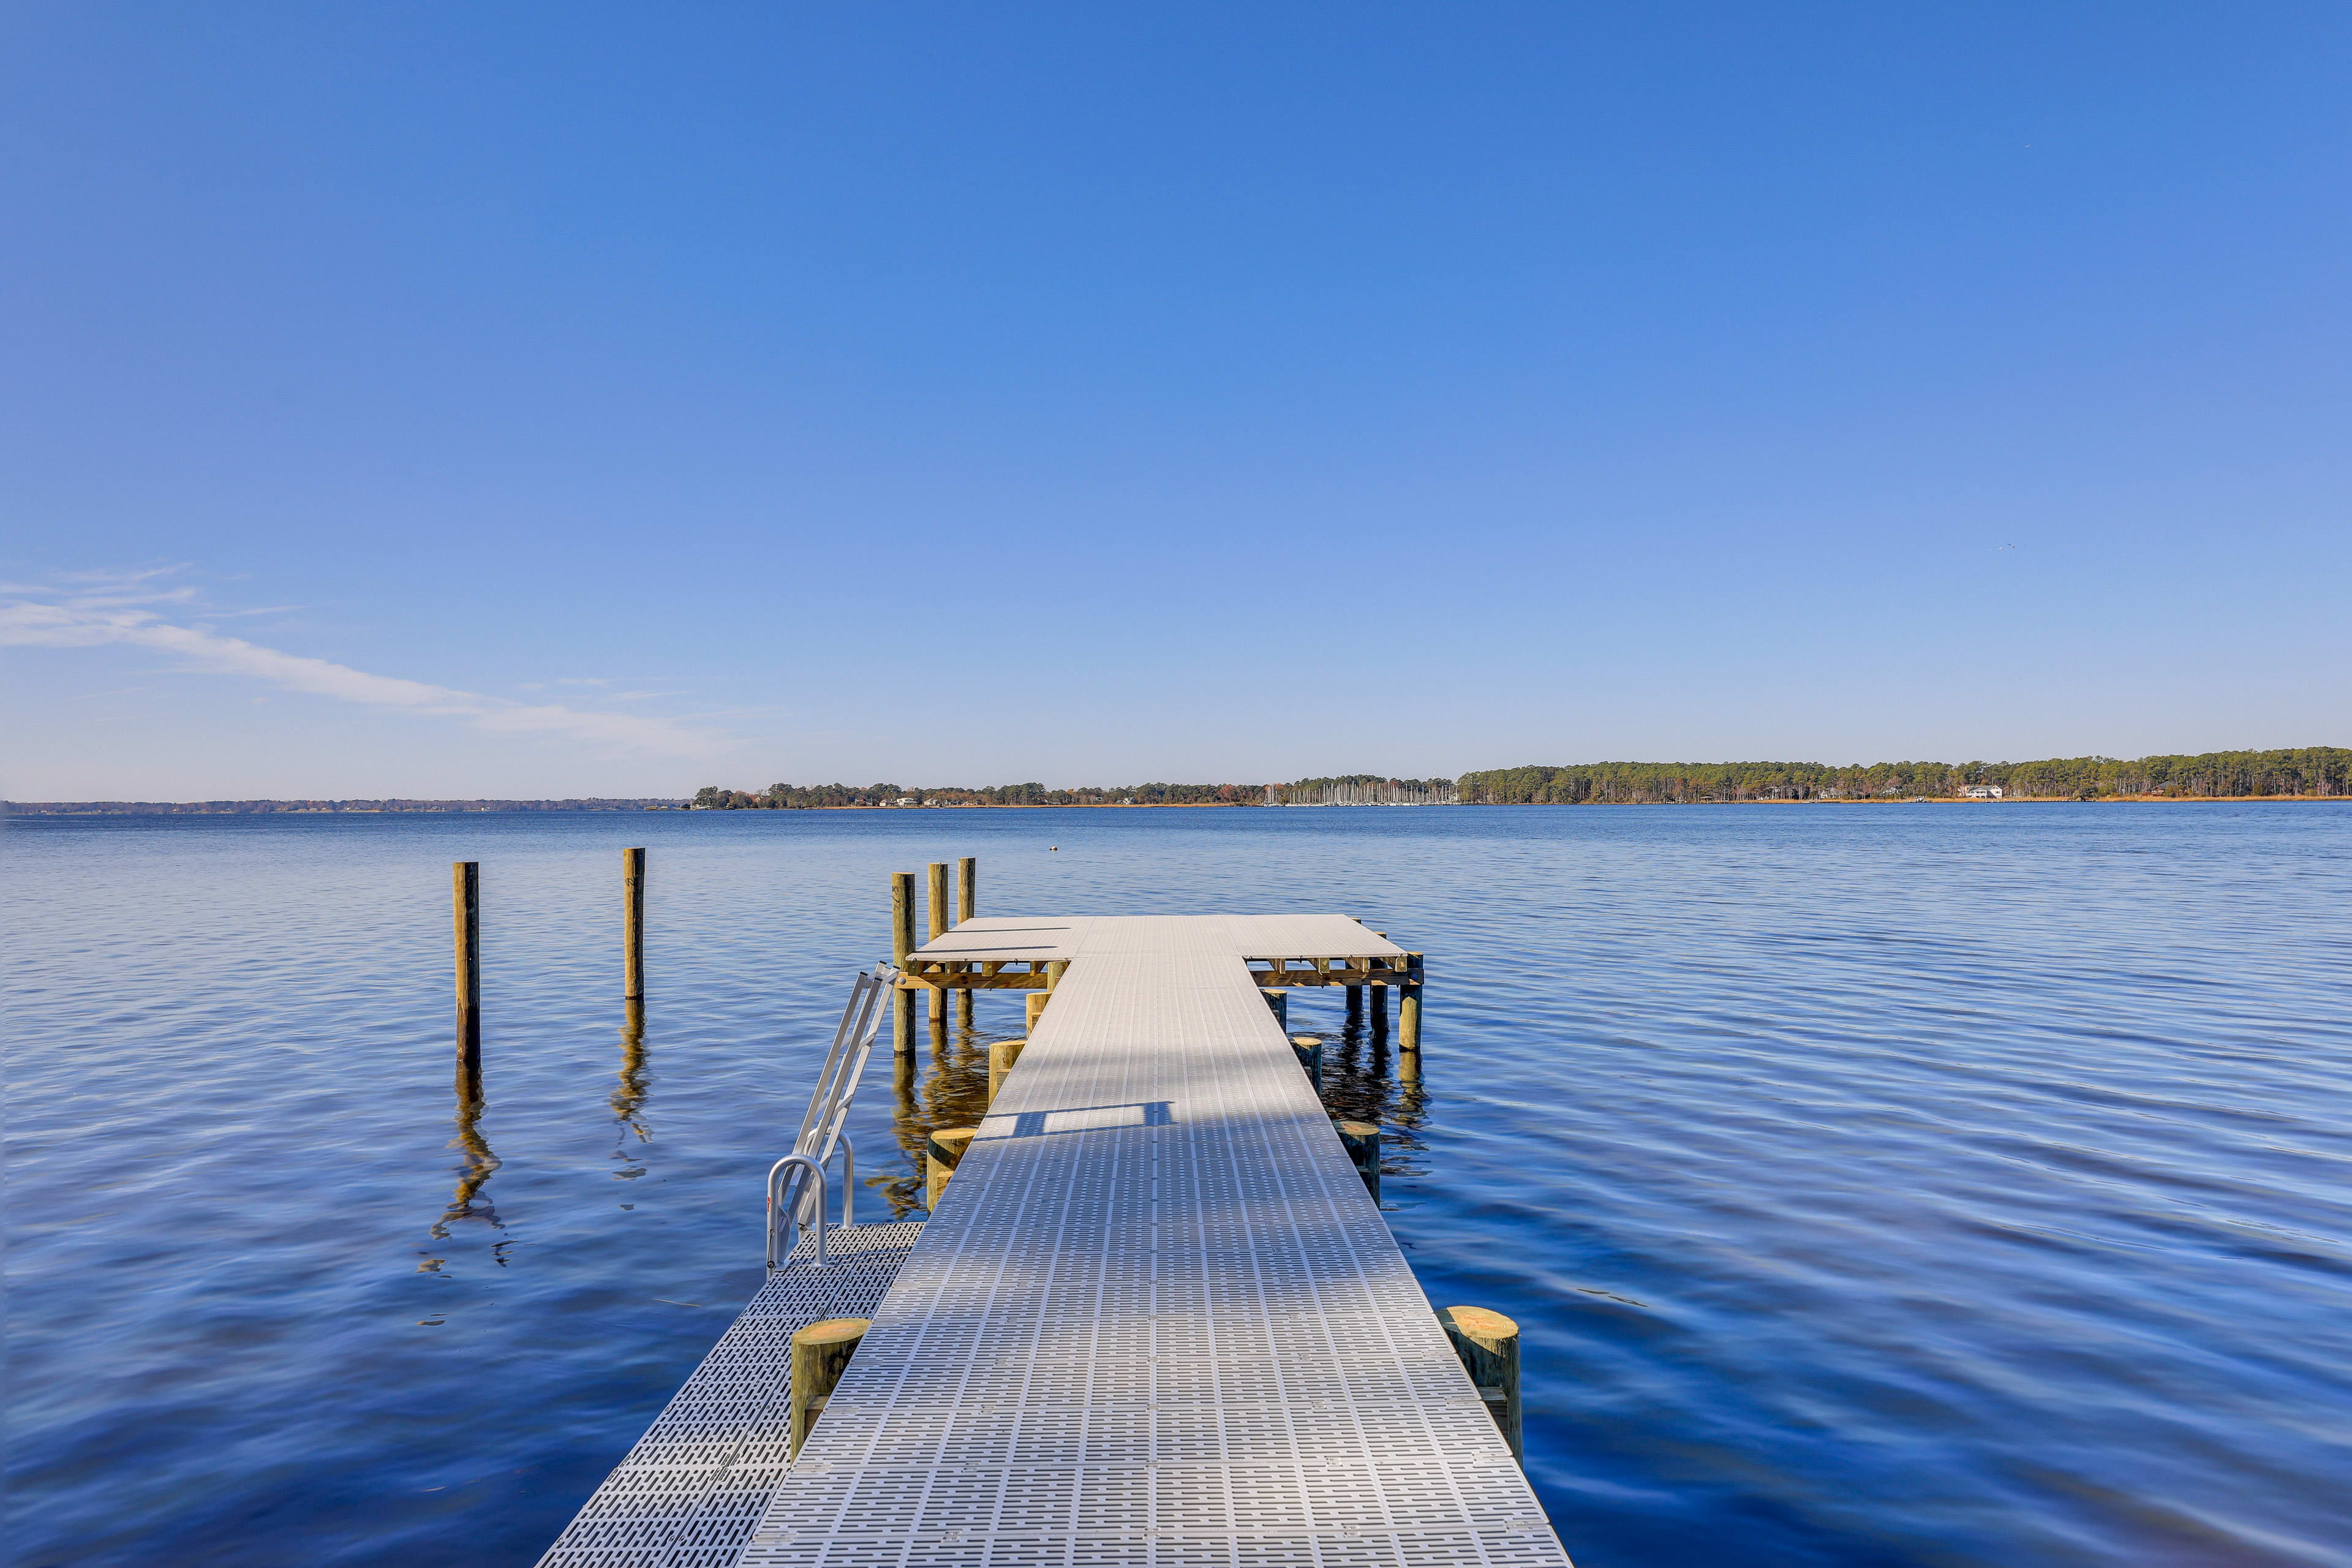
<point>630,1097</point>
<point>464,900</point>
<point>479,1163</point>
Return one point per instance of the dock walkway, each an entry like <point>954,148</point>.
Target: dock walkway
<point>1156,1317</point>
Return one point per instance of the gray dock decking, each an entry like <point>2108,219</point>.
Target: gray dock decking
<point>1156,1319</point>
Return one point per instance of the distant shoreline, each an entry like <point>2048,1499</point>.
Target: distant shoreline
<point>529,808</point>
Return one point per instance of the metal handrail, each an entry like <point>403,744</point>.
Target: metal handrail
<point>792,1210</point>
<point>789,1210</point>
<point>845,1064</point>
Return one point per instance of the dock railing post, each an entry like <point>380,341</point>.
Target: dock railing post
<point>820,1352</point>
<point>1362,1141</point>
<point>966,908</point>
<point>633,925</point>
<point>938,913</point>
<point>1001,1057</point>
<point>941,1152</point>
<point>465,908</point>
<point>1409,1005</point>
<point>1489,1345</point>
<point>902,942</point>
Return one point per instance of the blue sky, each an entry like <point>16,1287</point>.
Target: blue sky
<point>463,400</point>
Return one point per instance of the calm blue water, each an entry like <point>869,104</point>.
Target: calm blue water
<point>1874,1185</point>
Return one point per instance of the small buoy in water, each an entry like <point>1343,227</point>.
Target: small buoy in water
<point>1055,848</point>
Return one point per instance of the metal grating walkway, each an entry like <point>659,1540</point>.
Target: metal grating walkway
<point>1156,1319</point>
<point>688,1495</point>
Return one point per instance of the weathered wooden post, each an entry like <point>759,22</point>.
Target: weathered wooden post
<point>1280,1002</point>
<point>1362,1141</point>
<point>465,901</point>
<point>1408,1006</point>
<point>1055,969</point>
<point>939,912</point>
<point>1489,1345</point>
<point>1310,1058</point>
<point>633,925</point>
<point>820,1352</point>
<point>902,942</point>
<point>942,1155</point>
<point>966,908</point>
<point>1001,1057</point>
<point>1037,1000</point>
<point>1375,998</point>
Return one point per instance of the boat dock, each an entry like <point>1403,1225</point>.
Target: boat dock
<point>1155,1318</point>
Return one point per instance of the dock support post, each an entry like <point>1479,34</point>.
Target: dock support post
<point>1001,1057</point>
<point>1037,1000</point>
<point>1055,969</point>
<point>939,912</point>
<point>1356,1006</point>
<point>1310,1058</point>
<point>1362,1141</point>
<point>820,1351</point>
<point>465,908</point>
<point>1280,1002</point>
<point>966,908</point>
<point>941,1155</point>
<point>633,925</point>
<point>1489,1345</point>
<point>902,942</point>
<point>1409,1005</point>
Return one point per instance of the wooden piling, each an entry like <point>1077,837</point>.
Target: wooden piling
<point>820,1352</point>
<point>1408,1006</point>
<point>942,1153</point>
<point>1310,1058</point>
<point>938,913</point>
<point>1280,1002</point>
<point>1356,1006</point>
<point>1489,1345</point>
<point>966,908</point>
<point>633,925</point>
<point>465,902</point>
<point>1362,1141</point>
<point>1037,1000</point>
<point>902,942</point>
<point>1055,969</point>
<point>1001,1057</point>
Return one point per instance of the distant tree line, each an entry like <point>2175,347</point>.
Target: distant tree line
<point>272,808</point>
<point>2310,771</point>
<point>806,797</point>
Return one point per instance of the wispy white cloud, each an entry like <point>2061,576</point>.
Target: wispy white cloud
<point>147,609</point>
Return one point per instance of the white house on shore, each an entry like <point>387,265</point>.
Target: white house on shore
<point>1981,792</point>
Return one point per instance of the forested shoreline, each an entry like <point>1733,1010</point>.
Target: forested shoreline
<point>2311,771</point>
<point>2320,770</point>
